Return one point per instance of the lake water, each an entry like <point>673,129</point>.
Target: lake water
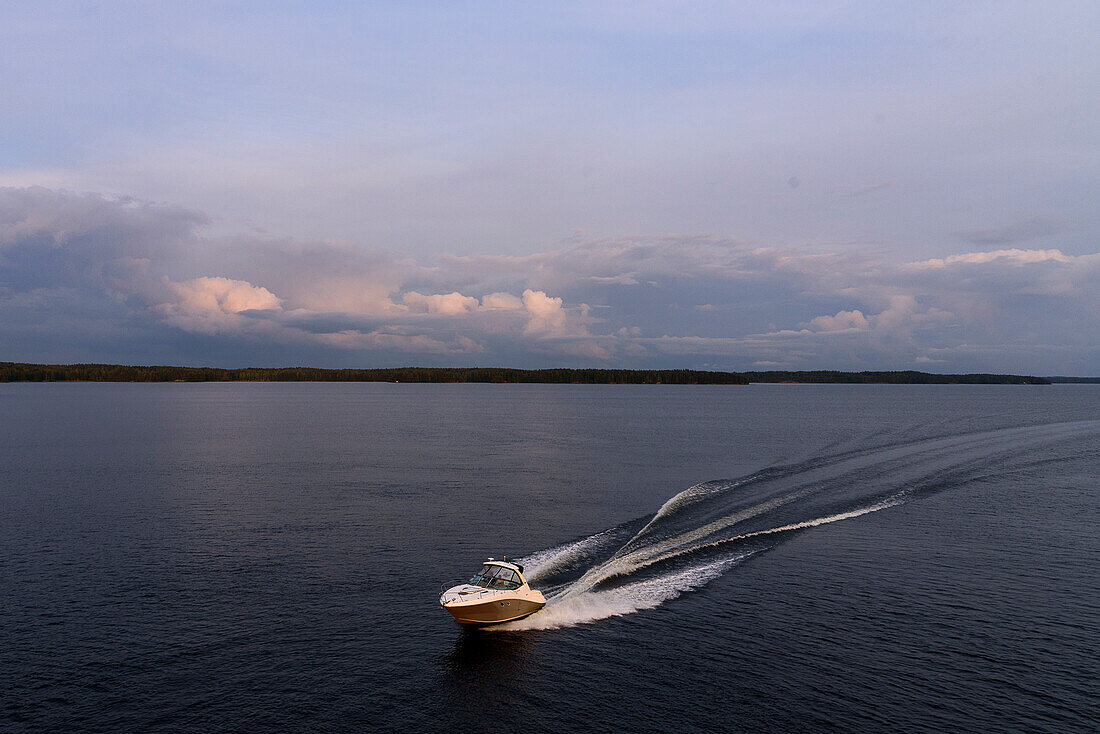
<point>267,557</point>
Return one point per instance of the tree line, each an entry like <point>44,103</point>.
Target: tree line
<point>900,377</point>
<point>20,372</point>
<point>23,372</point>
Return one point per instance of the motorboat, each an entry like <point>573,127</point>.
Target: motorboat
<point>497,593</point>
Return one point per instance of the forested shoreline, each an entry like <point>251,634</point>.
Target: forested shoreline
<point>24,372</point>
<point>17,372</point>
<point>900,377</point>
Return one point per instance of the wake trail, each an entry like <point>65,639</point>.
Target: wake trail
<point>590,607</point>
<point>705,530</point>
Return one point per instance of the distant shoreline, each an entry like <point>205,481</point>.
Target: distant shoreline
<point>25,372</point>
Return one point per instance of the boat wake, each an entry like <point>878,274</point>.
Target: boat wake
<point>707,529</point>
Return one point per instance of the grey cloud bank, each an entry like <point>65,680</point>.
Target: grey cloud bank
<point>85,277</point>
<point>731,185</point>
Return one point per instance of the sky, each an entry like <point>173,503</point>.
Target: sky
<point>732,186</point>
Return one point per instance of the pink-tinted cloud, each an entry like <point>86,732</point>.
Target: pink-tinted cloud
<point>86,264</point>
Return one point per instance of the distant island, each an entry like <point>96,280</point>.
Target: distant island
<point>1062,379</point>
<point>900,377</point>
<point>22,372</point>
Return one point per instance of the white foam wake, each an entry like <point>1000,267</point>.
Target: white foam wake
<point>580,604</point>
<point>709,520</point>
<point>593,606</point>
<point>884,504</point>
<point>545,562</point>
<point>625,563</point>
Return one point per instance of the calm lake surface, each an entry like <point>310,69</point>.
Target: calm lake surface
<point>267,557</point>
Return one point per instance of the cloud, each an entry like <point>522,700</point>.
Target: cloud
<point>94,223</point>
<point>1009,256</point>
<point>223,295</point>
<point>214,306</point>
<point>449,304</point>
<point>100,277</point>
<point>620,279</point>
<point>842,321</point>
<point>501,302</point>
<point>547,316</point>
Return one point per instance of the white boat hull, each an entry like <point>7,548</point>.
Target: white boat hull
<point>474,607</point>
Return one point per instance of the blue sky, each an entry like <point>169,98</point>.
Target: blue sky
<point>731,186</point>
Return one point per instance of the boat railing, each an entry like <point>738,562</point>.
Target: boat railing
<point>443,589</point>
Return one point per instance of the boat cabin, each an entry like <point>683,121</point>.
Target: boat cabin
<point>499,575</point>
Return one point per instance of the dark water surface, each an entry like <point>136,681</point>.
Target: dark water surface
<point>266,557</point>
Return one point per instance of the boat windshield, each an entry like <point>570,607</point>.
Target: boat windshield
<point>496,577</point>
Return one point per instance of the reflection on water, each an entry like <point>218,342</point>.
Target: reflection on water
<point>490,675</point>
<point>484,668</point>
<point>481,657</point>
